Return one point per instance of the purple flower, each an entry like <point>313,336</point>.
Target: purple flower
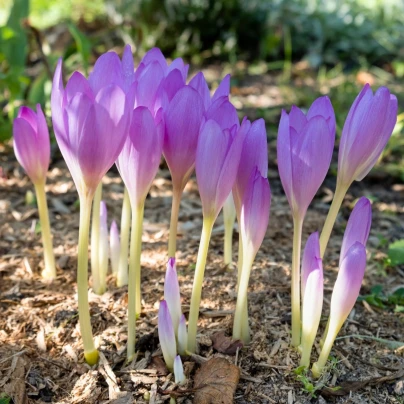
<point>91,119</point>
<point>348,284</point>
<point>255,211</point>
<point>366,131</point>
<point>358,226</point>
<point>254,154</point>
<point>114,247</point>
<point>311,259</point>
<point>31,143</point>
<point>140,157</point>
<point>172,294</point>
<point>305,146</point>
<point>166,335</point>
<point>183,118</point>
<point>217,161</point>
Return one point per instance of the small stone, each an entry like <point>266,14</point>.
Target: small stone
<point>399,388</point>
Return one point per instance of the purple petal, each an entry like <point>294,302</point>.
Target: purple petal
<point>311,258</point>
<point>56,102</point>
<point>148,84</point>
<point>77,84</point>
<point>178,64</point>
<point>255,210</point>
<point>166,335</point>
<point>128,68</point>
<point>172,293</point>
<point>155,55</point>
<point>199,83</point>
<point>107,70</point>
<point>182,122</point>
<point>322,106</point>
<point>224,113</point>
<point>223,90</point>
<point>297,119</point>
<point>311,157</point>
<point>358,226</point>
<point>254,154</point>
<point>348,283</point>
<point>28,115</point>
<point>140,157</point>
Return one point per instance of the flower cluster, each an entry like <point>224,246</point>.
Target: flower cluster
<point>132,117</point>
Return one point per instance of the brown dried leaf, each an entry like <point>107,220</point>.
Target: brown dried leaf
<point>225,344</point>
<point>216,382</point>
<point>16,388</point>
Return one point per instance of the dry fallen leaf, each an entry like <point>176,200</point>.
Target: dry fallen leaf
<point>216,382</point>
<point>225,344</point>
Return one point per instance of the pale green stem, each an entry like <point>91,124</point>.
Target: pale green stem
<point>306,347</point>
<point>95,241</point>
<point>325,333</point>
<point>198,281</point>
<point>296,321</point>
<point>175,208</point>
<point>122,275</point>
<point>240,257</point>
<point>318,366</point>
<point>339,195</point>
<point>134,296</point>
<point>90,353</point>
<point>50,270</point>
<point>241,313</point>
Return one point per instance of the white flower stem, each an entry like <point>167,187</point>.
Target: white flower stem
<point>198,281</point>
<point>122,275</point>
<point>95,242</point>
<point>49,260</point>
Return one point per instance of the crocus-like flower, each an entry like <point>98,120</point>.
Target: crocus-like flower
<point>172,294</point>
<point>138,164</point>
<point>179,376</point>
<point>182,121</point>
<point>358,226</point>
<point>114,247</point>
<point>254,154</point>
<point>166,335</point>
<point>346,291</point>
<point>32,150</point>
<point>31,143</point>
<point>182,336</point>
<point>253,224</point>
<point>305,146</point>
<point>366,131</point>
<point>312,293</point>
<point>217,161</point>
<point>91,119</point>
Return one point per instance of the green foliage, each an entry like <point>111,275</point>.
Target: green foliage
<point>395,253</point>
<point>383,300</point>
<point>5,398</point>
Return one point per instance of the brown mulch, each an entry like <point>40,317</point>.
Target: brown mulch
<point>40,348</point>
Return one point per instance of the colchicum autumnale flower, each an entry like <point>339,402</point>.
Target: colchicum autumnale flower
<point>344,295</point>
<point>217,160</point>
<point>90,119</point>
<point>312,295</point>
<point>254,219</point>
<point>367,129</point>
<point>32,150</point>
<point>305,146</point>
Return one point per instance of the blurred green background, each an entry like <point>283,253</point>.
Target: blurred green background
<point>304,47</point>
